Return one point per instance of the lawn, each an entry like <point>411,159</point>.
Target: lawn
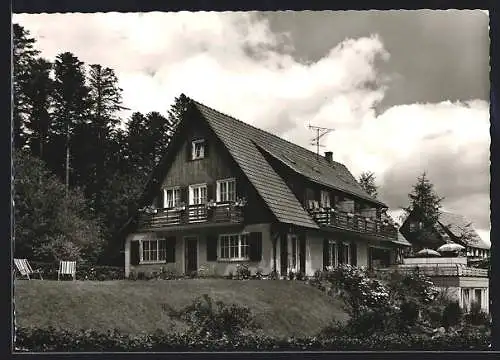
<point>283,308</point>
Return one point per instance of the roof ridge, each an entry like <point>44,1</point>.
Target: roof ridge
<point>267,132</point>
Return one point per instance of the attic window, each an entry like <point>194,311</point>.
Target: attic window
<point>198,149</point>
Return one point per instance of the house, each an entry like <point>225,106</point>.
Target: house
<point>227,193</point>
<point>450,228</point>
<point>463,283</point>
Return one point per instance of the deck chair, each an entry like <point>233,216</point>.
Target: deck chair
<point>67,268</point>
<point>24,268</point>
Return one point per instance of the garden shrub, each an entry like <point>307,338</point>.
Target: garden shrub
<point>214,319</point>
<point>452,314</point>
<point>242,272</point>
<point>168,274</point>
<point>58,340</point>
<point>84,271</point>
<point>408,313</point>
<point>207,271</point>
<point>476,316</point>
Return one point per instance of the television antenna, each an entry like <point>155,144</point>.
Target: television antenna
<point>320,132</point>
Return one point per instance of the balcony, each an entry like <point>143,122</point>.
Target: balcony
<point>352,222</point>
<point>227,213</point>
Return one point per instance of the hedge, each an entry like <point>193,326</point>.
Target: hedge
<point>57,340</point>
<point>83,271</point>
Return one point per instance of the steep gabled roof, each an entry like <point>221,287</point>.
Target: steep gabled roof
<point>238,138</point>
<point>305,162</point>
<point>245,143</point>
<point>456,225</point>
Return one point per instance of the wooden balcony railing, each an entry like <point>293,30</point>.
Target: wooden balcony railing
<point>451,270</point>
<point>192,214</point>
<point>352,222</point>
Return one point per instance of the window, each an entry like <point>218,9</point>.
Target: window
<point>197,194</point>
<point>154,250</point>
<point>332,253</point>
<point>198,149</point>
<point>325,199</point>
<point>226,190</point>
<point>465,298</point>
<point>172,197</point>
<point>233,247</point>
<point>478,295</point>
<point>344,254</point>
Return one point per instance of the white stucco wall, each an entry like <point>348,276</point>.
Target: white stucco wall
<point>220,267</point>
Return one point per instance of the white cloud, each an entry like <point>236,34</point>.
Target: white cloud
<point>231,61</point>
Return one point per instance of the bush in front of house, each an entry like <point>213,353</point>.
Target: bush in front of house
<point>58,340</point>
<point>476,316</point>
<point>243,272</point>
<point>207,318</point>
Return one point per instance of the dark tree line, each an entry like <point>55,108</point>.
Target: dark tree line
<point>69,130</point>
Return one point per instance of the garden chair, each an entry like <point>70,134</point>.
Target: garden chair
<point>67,268</point>
<point>24,268</point>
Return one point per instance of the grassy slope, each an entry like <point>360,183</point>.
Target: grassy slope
<point>282,307</point>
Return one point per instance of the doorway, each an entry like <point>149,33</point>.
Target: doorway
<point>190,254</point>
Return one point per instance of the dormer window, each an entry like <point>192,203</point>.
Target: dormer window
<point>198,149</point>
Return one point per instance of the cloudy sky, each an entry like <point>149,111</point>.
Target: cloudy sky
<point>406,92</point>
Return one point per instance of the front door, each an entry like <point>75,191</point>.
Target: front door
<point>190,254</point>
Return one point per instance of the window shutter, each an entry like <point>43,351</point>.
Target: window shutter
<point>302,254</point>
<point>340,253</point>
<point>354,254</point>
<point>212,248</point>
<point>207,148</point>
<point>161,199</point>
<point>211,192</point>
<point>283,254</point>
<point>325,253</point>
<point>189,148</point>
<point>135,257</point>
<point>170,248</point>
<point>255,242</point>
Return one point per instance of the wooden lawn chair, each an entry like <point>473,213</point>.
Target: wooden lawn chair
<point>67,268</point>
<point>24,268</point>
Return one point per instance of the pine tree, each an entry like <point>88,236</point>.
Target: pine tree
<point>105,103</point>
<point>38,97</point>
<point>425,203</point>
<point>424,209</point>
<point>71,105</point>
<point>367,182</point>
<point>23,54</point>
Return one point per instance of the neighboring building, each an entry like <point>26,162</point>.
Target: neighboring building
<point>465,284</point>
<point>226,192</point>
<point>450,228</point>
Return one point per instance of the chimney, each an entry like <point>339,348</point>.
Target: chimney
<point>329,156</point>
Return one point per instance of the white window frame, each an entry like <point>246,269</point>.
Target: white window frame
<point>325,195</point>
<point>176,200</point>
<point>192,188</point>
<point>332,253</point>
<point>201,155</point>
<point>240,245</point>
<point>219,183</point>
<point>157,260</point>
